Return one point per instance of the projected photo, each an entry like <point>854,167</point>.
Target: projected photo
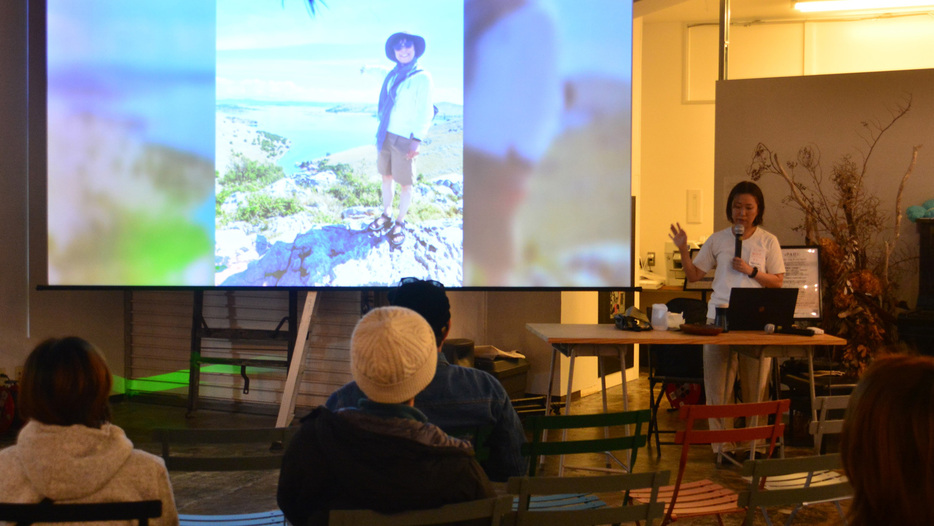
<point>339,142</point>
<point>130,142</point>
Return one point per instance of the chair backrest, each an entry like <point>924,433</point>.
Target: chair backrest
<point>680,363</point>
<point>528,487</point>
<point>493,509</point>
<point>538,424</point>
<point>829,418</point>
<point>764,411</point>
<point>24,514</point>
<point>693,309</point>
<point>814,488</point>
<point>262,448</point>
<point>764,431</point>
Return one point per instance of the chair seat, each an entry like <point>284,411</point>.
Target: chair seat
<point>703,497</point>
<point>797,480</point>
<point>266,518</point>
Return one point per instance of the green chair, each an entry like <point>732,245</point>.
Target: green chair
<point>794,482</point>
<point>538,425</point>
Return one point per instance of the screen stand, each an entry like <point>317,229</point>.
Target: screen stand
<point>297,364</point>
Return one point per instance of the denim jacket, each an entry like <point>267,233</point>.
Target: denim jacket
<point>460,397</point>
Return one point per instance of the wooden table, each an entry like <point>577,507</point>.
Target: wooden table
<point>603,339</point>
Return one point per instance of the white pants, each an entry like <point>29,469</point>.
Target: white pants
<point>720,366</point>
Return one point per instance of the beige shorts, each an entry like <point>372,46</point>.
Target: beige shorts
<point>392,161</point>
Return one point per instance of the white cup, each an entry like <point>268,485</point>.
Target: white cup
<point>660,317</point>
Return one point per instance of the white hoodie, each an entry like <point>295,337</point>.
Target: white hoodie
<point>80,464</point>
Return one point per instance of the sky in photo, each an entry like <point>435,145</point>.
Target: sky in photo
<point>276,50</point>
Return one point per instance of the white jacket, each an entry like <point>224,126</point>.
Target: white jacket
<point>76,464</point>
<point>412,111</point>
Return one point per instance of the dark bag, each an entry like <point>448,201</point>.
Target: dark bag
<point>633,320</point>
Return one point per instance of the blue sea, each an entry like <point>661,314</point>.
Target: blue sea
<point>314,132</point>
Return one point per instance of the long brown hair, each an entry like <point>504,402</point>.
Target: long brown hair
<point>887,445</point>
<point>65,382</point>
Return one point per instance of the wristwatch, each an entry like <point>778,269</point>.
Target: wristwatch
<point>755,271</point>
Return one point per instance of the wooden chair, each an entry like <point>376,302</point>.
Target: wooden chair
<point>706,497</point>
<point>493,509</point>
<point>531,511</point>
<point>829,418</point>
<point>25,514</point>
<point>793,481</point>
<point>538,425</point>
<point>253,449</point>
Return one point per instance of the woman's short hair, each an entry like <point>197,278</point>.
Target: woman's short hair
<point>887,444</point>
<point>751,188</point>
<point>65,382</point>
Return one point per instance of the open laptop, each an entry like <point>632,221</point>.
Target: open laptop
<point>752,308</point>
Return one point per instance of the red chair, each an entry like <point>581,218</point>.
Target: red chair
<point>705,497</point>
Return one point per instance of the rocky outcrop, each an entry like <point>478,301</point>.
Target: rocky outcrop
<point>341,255</point>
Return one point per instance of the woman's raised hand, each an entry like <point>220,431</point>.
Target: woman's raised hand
<point>678,235</point>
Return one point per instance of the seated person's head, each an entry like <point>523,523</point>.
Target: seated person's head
<point>65,382</point>
<point>392,355</point>
<point>428,299</point>
<point>887,444</point>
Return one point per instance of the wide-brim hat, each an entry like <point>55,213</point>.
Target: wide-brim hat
<point>419,44</point>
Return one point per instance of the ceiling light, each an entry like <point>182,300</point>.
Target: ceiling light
<point>814,6</point>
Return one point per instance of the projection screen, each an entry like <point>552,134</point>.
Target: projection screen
<point>233,143</point>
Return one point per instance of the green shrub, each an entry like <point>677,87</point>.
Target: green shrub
<point>260,207</point>
<point>247,174</point>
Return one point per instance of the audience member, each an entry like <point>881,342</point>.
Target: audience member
<point>457,397</point>
<point>68,451</point>
<point>383,454</point>
<point>887,445</point>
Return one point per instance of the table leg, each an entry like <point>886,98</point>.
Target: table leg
<point>810,350</point>
<point>548,402</point>
<point>567,410</point>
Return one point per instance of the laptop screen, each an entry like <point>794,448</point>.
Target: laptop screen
<point>752,308</point>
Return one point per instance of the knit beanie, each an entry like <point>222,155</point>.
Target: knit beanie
<point>392,354</point>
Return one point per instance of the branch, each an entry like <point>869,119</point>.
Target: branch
<point>900,112</point>
<point>798,197</point>
<point>898,215</point>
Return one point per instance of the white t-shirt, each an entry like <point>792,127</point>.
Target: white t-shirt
<point>760,250</point>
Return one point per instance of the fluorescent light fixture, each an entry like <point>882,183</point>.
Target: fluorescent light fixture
<point>814,6</point>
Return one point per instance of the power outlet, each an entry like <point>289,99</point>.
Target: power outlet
<point>19,374</point>
<point>650,260</point>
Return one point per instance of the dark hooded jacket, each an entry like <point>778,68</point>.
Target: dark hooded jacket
<point>356,459</point>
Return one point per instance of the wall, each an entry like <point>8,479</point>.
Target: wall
<point>28,316</point>
<point>677,144</point>
<point>678,124</point>
<point>828,111</point>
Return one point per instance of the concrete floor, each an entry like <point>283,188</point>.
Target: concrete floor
<point>243,492</point>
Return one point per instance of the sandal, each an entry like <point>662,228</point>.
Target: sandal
<point>396,234</point>
<point>379,224</point>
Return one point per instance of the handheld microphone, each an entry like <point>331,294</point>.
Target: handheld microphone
<point>738,231</point>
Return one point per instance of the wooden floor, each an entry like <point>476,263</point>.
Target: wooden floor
<point>243,492</point>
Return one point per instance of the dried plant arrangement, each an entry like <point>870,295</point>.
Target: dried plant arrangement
<point>861,259</point>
